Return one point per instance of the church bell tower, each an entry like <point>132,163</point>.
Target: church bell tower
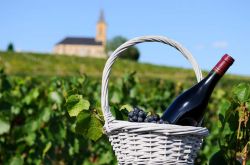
<point>101,29</point>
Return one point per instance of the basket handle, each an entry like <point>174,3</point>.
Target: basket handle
<point>107,69</point>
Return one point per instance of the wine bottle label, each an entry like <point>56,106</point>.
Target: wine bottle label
<point>222,66</point>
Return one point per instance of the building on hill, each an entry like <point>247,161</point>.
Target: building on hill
<point>83,46</point>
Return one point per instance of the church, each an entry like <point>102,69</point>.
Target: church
<point>84,46</point>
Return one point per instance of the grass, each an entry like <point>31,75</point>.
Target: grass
<point>46,65</point>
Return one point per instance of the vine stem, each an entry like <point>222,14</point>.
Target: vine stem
<point>239,128</point>
<point>245,120</point>
<point>238,134</point>
<point>245,155</point>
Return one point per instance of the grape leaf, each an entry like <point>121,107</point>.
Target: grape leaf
<point>116,97</point>
<point>76,146</point>
<point>248,106</point>
<point>31,126</point>
<point>75,104</point>
<point>222,119</point>
<point>46,149</point>
<point>45,115</point>
<point>126,107</point>
<point>82,122</point>
<point>30,138</point>
<point>106,158</point>
<point>95,129</point>
<point>31,96</point>
<point>55,96</point>
<point>4,126</point>
<point>17,160</point>
<point>89,125</point>
<point>223,107</point>
<point>242,92</point>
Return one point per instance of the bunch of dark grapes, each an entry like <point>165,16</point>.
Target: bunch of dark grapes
<point>154,119</point>
<point>138,115</point>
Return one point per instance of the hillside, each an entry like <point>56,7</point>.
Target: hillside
<point>32,64</point>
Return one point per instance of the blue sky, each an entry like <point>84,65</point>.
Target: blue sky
<point>208,29</point>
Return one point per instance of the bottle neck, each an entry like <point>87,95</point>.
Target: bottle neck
<point>212,78</point>
<point>217,72</point>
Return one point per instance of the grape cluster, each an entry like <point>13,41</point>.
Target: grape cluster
<point>138,115</point>
<point>154,119</point>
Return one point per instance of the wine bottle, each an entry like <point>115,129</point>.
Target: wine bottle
<point>189,107</point>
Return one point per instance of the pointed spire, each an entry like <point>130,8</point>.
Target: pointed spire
<point>101,17</point>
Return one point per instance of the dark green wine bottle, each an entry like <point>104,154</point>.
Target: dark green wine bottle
<point>189,107</point>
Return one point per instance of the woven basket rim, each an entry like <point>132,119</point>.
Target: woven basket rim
<point>167,129</point>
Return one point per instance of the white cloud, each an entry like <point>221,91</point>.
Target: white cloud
<point>220,44</point>
<point>199,47</point>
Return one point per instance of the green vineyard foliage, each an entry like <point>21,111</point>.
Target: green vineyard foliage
<point>59,120</point>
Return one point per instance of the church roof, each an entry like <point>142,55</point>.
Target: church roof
<point>79,41</point>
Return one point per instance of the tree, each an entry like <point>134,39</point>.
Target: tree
<point>10,47</point>
<point>132,53</point>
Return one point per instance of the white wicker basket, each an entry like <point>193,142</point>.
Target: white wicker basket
<point>150,143</point>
